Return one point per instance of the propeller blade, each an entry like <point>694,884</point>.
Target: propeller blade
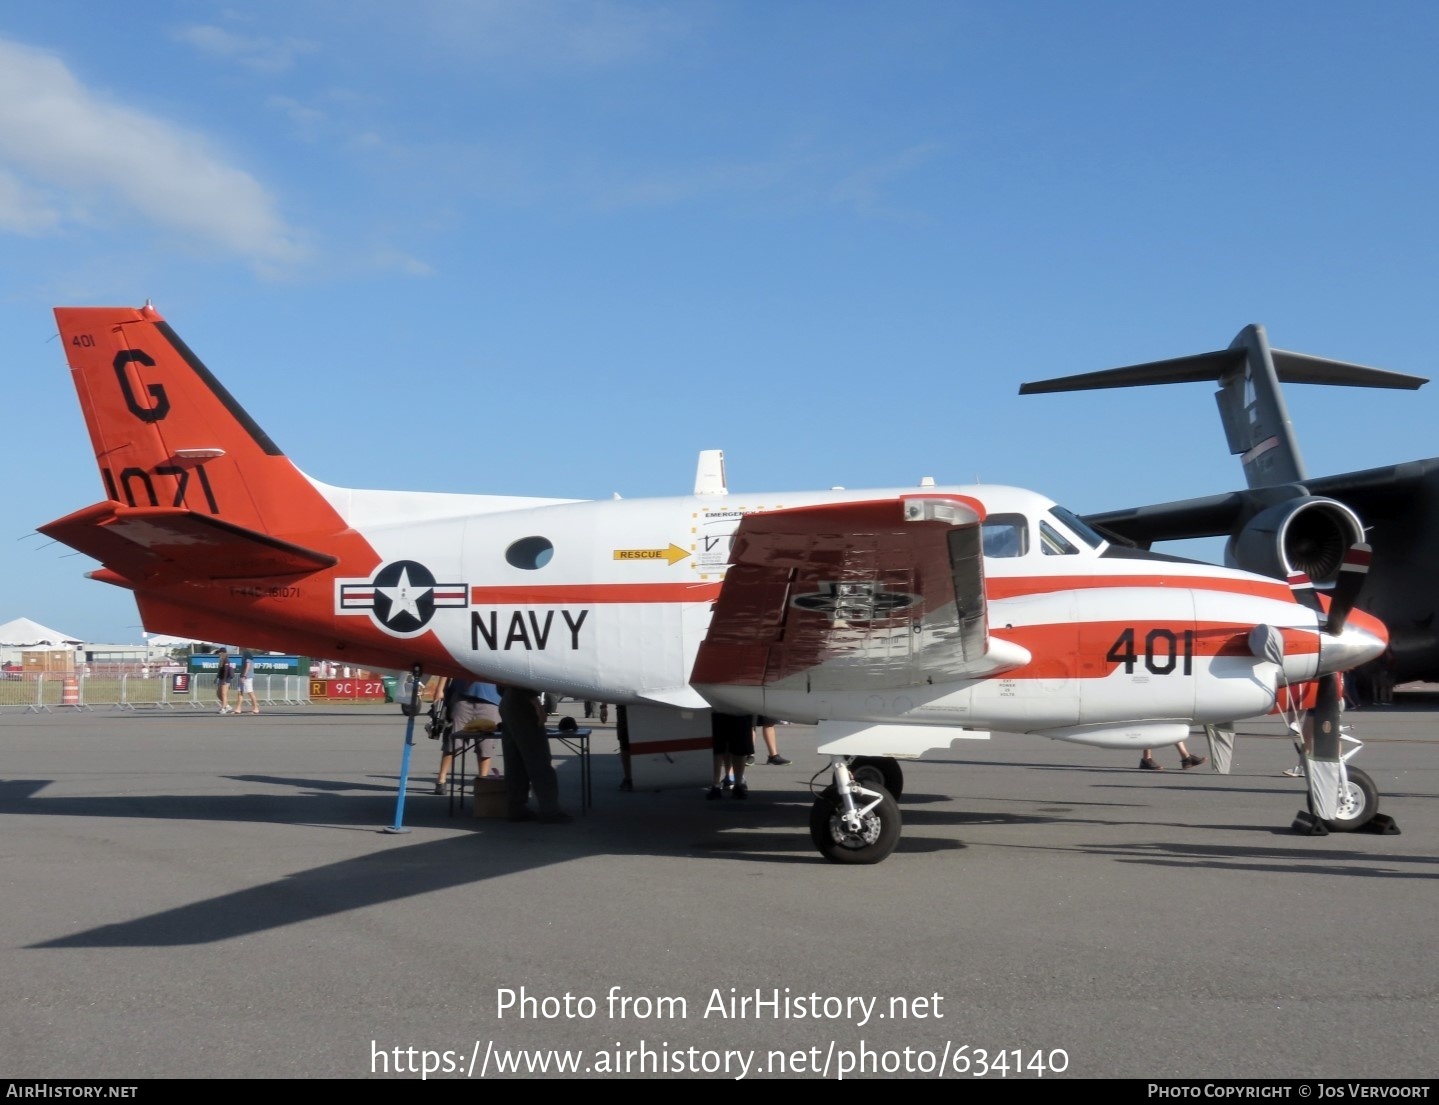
<point>1321,756</point>
<point>1304,593</point>
<point>1352,574</point>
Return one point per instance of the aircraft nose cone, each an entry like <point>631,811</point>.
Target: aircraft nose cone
<point>1362,639</point>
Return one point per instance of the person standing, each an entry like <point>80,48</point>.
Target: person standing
<point>732,737</point>
<point>224,674</point>
<point>765,725</point>
<point>1147,762</point>
<point>247,683</point>
<point>527,758</point>
<point>468,703</point>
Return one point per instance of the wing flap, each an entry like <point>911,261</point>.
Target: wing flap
<point>852,596</point>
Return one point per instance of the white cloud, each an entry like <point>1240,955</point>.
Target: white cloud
<point>402,263</point>
<point>264,55</point>
<point>23,210</point>
<point>57,136</point>
<point>308,122</point>
<point>864,189</point>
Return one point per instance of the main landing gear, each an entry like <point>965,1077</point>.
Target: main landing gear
<point>854,821</point>
<point>1356,807</point>
<point>1358,802</point>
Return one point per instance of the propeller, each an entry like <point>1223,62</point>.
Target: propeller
<point>1352,574</point>
<point>1322,763</point>
<point>1304,593</point>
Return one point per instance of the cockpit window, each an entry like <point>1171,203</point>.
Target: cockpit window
<point>1006,535</point>
<point>1078,526</point>
<point>1053,542</point>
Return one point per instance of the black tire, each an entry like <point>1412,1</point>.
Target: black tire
<point>1359,808</point>
<point>878,836</point>
<point>882,770</point>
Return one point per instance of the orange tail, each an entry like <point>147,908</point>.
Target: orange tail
<point>196,490</point>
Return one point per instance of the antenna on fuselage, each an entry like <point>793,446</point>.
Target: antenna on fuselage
<point>709,473</point>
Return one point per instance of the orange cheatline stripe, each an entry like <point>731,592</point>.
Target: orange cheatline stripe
<point>998,588</point>
<point>1005,587</point>
<point>596,593</point>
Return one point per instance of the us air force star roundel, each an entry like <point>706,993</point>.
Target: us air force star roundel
<point>401,598</point>
<point>860,601</point>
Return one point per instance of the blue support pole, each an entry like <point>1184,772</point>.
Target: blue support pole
<point>399,825</point>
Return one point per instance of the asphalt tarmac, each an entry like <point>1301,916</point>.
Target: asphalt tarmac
<point>186,895</point>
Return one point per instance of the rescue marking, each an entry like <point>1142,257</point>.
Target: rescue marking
<point>674,554</point>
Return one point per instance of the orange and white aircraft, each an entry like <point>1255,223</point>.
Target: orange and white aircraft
<point>896,620</point>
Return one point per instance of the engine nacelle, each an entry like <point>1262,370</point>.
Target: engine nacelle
<point>1309,535</point>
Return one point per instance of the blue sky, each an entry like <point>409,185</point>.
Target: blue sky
<point>556,248</point>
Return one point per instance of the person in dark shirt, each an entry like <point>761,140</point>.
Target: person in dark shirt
<point>527,758</point>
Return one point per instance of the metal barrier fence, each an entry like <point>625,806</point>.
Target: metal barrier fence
<point>45,692</point>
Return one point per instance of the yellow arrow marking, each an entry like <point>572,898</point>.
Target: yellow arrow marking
<point>673,554</point>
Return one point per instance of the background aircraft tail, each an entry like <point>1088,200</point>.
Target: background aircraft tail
<point>195,489</point>
<point>1251,404</point>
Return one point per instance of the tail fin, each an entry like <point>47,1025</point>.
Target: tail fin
<point>196,490</point>
<point>1251,404</point>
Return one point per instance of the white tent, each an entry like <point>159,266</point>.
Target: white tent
<point>23,633</point>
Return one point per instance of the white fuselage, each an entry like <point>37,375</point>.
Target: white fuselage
<point>611,600</point>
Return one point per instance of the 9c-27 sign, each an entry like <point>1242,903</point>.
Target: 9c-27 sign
<point>350,690</point>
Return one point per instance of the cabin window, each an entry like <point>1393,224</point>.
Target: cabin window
<point>1006,535</point>
<point>1053,542</point>
<point>1078,526</point>
<point>530,553</point>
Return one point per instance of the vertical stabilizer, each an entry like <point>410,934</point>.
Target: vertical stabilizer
<point>1256,419</point>
<point>167,434</point>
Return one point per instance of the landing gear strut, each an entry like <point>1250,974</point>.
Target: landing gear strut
<point>882,770</point>
<point>1356,804</point>
<point>854,822</point>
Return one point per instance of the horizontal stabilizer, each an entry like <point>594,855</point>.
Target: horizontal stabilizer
<point>174,545</point>
<point>1291,368</point>
<point>1251,404</point>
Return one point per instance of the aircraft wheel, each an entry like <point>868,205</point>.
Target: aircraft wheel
<point>877,837</point>
<point>882,770</point>
<point>1357,807</point>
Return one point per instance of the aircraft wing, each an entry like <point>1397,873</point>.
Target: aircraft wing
<point>1210,516</point>
<point>854,596</point>
<point>1376,493</point>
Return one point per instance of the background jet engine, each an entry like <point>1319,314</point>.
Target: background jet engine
<point>1309,535</point>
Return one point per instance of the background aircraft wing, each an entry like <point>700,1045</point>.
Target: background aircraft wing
<point>1210,516</point>
<point>854,596</point>
<point>1377,495</point>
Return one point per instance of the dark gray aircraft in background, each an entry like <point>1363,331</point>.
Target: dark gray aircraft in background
<point>1285,522</point>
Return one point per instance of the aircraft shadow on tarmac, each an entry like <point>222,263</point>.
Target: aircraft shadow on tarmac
<point>1279,861</point>
<point>769,828</point>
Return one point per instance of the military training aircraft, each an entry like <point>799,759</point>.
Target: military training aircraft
<point>895,621</point>
<point>1285,521</point>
